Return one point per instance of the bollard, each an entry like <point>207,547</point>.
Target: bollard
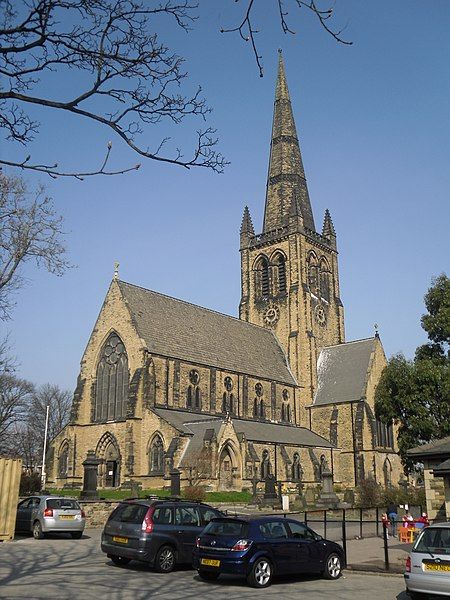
<point>386,551</point>
<point>344,536</point>
<point>361,523</point>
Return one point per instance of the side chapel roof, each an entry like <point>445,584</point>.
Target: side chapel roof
<point>178,329</point>
<point>342,372</point>
<point>255,431</point>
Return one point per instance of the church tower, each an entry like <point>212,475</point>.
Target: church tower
<point>289,272</point>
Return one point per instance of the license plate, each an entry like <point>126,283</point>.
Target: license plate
<point>67,517</point>
<point>437,567</point>
<point>120,540</point>
<point>208,562</point>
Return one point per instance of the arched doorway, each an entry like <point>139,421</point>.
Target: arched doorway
<point>228,468</point>
<point>109,469</point>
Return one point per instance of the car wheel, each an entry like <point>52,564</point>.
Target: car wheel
<point>76,535</point>
<point>261,574</point>
<point>333,567</point>
<point>38,534</point>
<point>165,560</point>
<point>121,561</point>
<point>208,575</point>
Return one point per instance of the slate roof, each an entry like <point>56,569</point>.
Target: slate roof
<point>254,431</point>
<point>178,329</point>
<point>442,469</point>
<point>342,372</point>
<point>435,448</point>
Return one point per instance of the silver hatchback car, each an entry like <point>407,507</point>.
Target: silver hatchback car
<point>428,565</point>
<point>50,514</point>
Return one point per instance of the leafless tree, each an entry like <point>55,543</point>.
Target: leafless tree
<point>129,78</point>
<point>197,466</point>
<point>59,402</point>
<point>30,230</point>
<point>247,30</point>
<point>15,395</point>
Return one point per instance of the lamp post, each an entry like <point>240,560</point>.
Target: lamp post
<point>43,473</point>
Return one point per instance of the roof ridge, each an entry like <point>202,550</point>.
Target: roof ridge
<point>350,342</point>
<point>211,310</point>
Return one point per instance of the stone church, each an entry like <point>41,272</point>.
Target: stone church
<point>166,384</point>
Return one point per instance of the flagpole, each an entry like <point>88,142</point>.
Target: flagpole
<point>43,473</point>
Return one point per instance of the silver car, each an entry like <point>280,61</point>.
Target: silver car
<point>428,565</point>
<point>50,514</point>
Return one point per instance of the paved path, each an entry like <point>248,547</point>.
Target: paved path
<point>65,569</point>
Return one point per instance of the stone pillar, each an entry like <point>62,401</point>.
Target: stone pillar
<point>90,465</point>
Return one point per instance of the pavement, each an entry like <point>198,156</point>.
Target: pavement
<point>59,568</point>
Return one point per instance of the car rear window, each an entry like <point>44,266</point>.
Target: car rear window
<point>62,503</point>
<point>129,513</point>
<point>233,528</point>
<point>435,540</point>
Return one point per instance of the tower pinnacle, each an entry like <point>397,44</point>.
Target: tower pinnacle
<point>286,174</point>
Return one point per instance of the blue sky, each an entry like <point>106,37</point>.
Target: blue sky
<point>374,127</point>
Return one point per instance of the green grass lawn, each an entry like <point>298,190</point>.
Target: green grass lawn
<point>112,494</point>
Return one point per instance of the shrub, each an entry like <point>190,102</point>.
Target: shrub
<point>196,493</point>
<point>369,494</point>
<point>29,484</point>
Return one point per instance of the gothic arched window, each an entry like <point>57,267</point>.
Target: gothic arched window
<point>266,467</point>
<point>280,268</point>
<point>197,398</point>
<point>255,407</point>
<point>324,281</point>
<point>224,403</point>
<point>156,455</point>
<point>112,381</point>
<point>313,275</point>
<point>189,397</point>
<point>297,471</point>
<point>63,460</point>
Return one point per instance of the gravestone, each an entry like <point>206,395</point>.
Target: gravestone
<point>310,497</point>
<point>90,466</point>
<point>270,492</point>
<point>327,498</point>
<point>175,482</point>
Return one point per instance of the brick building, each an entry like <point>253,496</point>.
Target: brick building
<point>166,384</point>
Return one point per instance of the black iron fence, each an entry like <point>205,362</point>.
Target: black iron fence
<point>342,525</point>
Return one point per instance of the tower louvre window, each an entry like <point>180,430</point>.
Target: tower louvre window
<point>265,286</point>
<point>324,282</point>
<point>280,269</point>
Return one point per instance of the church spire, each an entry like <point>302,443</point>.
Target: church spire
<point>286,175</point>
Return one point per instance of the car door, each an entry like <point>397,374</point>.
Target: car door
<point>281,546</point>
<point>23,514</point>
<point>308,555</point>
<point>188,524</point>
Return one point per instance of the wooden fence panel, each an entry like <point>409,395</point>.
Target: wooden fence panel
<point>10,471</point>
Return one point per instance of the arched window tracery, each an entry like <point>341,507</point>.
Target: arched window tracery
<point>313,275</point>
<point>112,381</point>
<point>156,455</point>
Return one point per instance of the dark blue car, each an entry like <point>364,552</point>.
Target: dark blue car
<point>259,548</point>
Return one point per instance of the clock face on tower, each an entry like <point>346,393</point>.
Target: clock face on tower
<point>271,315</point>
<point>320,315</point>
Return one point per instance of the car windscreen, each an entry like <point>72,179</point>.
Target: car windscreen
<point>231,528</point>
<point>435,540</point>
<point>62,504</point>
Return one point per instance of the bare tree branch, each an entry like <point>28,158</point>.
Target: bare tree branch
<point>247,31</point>
<point>130,78</point>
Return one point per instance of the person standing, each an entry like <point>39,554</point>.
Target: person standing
<point>392,514</point>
